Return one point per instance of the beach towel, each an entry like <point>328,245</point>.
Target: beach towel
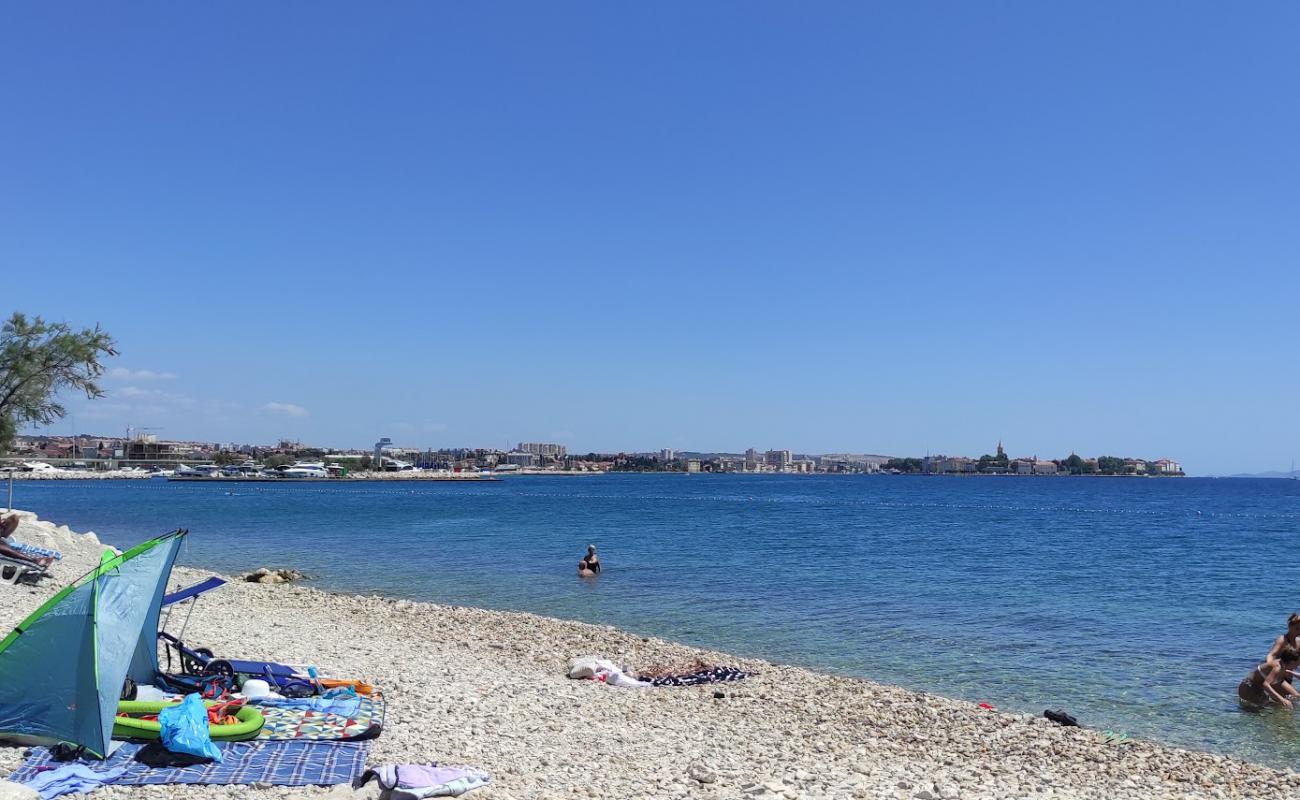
<point>292,763</point>
<point>34,551</point>
<point>711,675</point>
<point>70,779</point>
<point>289,722</point>
<point>345,706</point>
<point>418,781</point>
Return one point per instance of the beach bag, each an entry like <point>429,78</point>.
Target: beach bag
<point>589,666</point>
<point>185,729</point>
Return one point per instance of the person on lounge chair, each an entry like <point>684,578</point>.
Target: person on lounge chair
<point>7,527</point>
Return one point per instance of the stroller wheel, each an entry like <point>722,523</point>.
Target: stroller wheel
<point>218,666</point>
<point>204,653</point>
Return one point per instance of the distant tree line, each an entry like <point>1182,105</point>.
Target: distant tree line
<point>903,464</point>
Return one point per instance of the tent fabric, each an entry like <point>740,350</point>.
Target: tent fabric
<point>62,668</point>
<point>152,584</point>
<point>192,591</point>
<point>47,687</point>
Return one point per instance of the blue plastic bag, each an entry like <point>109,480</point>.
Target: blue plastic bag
<point>185,729</point>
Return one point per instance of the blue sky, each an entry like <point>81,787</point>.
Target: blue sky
<point>831,227</point>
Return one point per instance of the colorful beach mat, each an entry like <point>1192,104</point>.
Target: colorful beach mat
<point>287,763</point>
<point>291,723</point>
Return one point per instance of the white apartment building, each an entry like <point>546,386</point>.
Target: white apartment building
<point>543,449</point>
<point>779,459</point>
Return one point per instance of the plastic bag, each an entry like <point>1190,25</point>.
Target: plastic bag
<point>185,729</point>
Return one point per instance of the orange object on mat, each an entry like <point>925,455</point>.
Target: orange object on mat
<point>361,687</point>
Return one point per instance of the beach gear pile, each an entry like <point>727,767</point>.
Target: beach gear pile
<point>81,676</point>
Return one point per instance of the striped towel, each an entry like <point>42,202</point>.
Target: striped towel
<point>34,551</point>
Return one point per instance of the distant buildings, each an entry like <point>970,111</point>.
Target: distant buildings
<point>521,458</point>
<point>778,459</point>
<point>544,450</point>
<point>1000,464</point>
<point>146,449</point>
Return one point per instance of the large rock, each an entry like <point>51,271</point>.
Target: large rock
<point>16,791</point>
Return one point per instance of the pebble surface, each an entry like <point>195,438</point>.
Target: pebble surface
<point>488,689</point>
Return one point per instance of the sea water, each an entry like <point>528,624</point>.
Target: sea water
<point>1134,604</point>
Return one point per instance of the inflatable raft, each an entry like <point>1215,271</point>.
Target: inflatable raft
<point>132,727</point>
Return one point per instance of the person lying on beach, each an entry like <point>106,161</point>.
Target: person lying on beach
<point>1291,637</point>
<point>1270,681</point>
<point>7,527</point>
<point>591,559</point>
<point>663,670</point>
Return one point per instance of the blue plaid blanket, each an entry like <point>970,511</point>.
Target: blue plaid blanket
<point>287,763</point>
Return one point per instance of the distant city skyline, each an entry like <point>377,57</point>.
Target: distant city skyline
<point>898,229</point>
<point>749,460</point>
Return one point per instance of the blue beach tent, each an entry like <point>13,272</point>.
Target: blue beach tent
<point>62,668</point>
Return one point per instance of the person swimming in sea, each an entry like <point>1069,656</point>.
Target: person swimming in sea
<point>589,566</point>
<point>1270,681</point>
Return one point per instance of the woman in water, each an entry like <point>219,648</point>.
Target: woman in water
<point>591,559</point>
<point>1270,681</point>
<point>589,566</point>
<point>1291,637</point>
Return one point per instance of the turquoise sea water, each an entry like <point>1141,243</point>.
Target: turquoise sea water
<point>1136,605</point>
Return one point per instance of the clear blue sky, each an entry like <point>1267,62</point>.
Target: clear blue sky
<point>831,227</point>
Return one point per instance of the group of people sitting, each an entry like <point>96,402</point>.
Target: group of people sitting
<point>8,525</point>
<point>1270,682</point>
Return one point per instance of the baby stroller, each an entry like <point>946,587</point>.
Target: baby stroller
<point>199,670</point>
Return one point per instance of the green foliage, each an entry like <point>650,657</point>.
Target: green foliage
<point>989,463</point>
<point>1110,465</point>
<point>39,359</point>
<point>1077,465</point>
<point>903,464</point>
<point>224,457</point>
<point>278,460</point>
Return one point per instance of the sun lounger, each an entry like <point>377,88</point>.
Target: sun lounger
<point>13,570</point>
<point>34,551</point>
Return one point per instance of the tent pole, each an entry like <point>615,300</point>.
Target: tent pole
<point>181,636</point>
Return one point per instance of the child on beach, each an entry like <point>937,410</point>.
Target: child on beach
<point>1270,681</point>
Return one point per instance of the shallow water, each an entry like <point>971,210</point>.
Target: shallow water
<point>1136,605</point>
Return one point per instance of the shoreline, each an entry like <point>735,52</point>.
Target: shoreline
<point>488,688</point>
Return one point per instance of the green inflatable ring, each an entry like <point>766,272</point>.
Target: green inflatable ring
<point>250,722</point>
